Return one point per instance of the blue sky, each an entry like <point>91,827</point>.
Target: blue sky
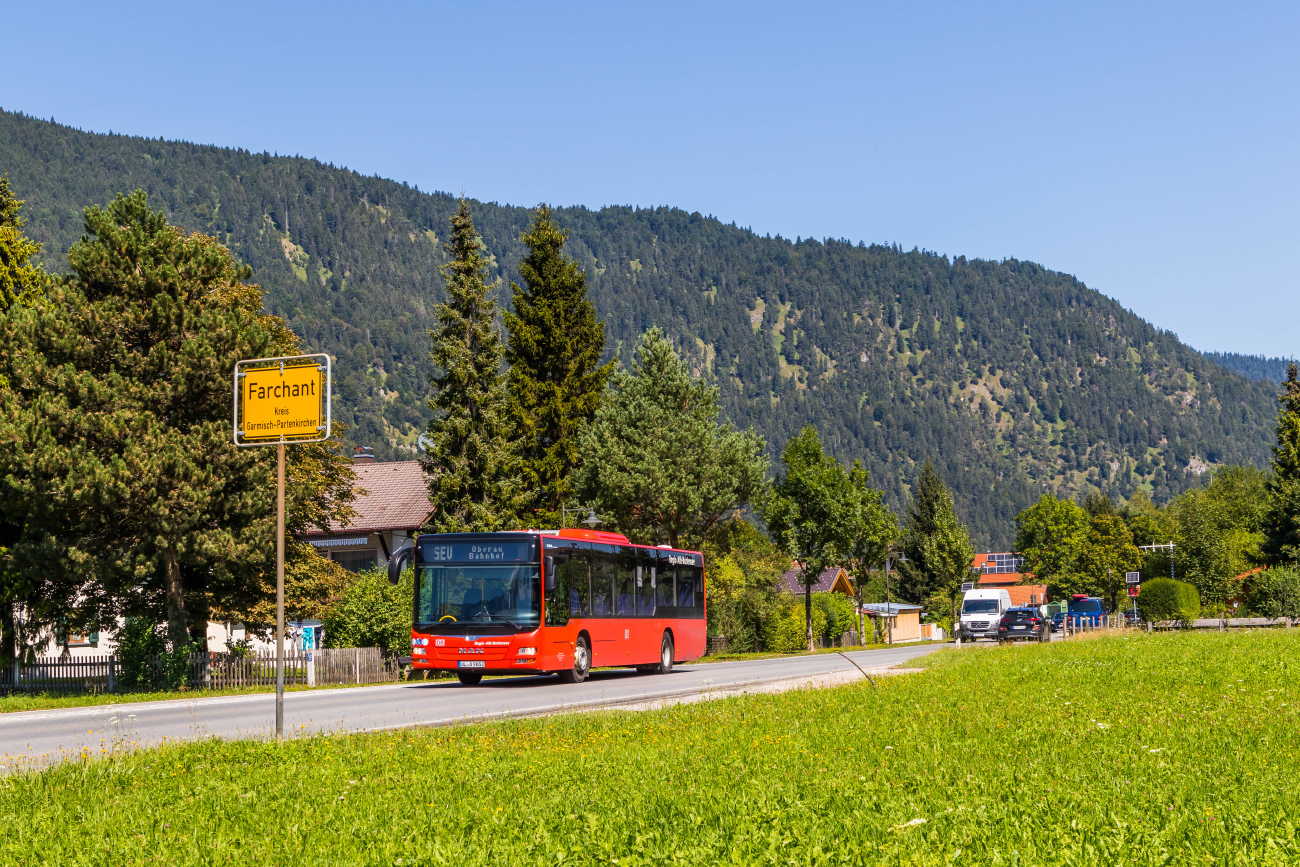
<point>1150,149</point>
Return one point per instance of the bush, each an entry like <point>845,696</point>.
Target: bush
<point>372,613</point>
<point>787,633</point>
<point>1274,592</point>
<point>841,616</point>
<point>139,641</point>
<point>1167,599</point>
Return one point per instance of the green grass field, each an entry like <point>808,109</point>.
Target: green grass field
<point>1166,749</point>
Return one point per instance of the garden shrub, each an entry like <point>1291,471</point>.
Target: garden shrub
<point>1169,599</point>
<point>372,613</point>
<point>1274,592</point>
<point>138,642</point>
<point>841,616</point>
<point>786,633</point>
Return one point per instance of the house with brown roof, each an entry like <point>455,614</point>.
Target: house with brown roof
<point>1002,571</point>
<point>394,505</point>
<point>833,580</point>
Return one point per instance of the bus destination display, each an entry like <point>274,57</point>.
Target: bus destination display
<point>479,552</point>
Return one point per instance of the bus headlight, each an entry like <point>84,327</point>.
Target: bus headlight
<point>527,651</point>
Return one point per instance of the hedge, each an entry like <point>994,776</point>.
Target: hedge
<point>1167,599</point>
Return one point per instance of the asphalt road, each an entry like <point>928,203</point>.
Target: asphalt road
<point>41,737</point>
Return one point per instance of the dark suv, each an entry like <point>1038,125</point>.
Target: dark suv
<point>1024,623</point>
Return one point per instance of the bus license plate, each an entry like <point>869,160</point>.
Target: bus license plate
<point>471,663</point>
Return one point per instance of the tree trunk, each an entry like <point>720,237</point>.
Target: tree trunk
<point>8,634</point>
<point>177,624</point>
<point>807,610</point>
<point>672,537</point>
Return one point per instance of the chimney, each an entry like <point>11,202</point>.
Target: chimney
<point>363,455</point>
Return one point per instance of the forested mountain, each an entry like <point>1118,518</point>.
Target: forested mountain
<point>1010,377</point>
<point>1272,370</point>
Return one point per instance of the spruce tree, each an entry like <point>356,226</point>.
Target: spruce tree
<point>554,345</point>
<point>117,459</point>
<point>657,459</point>
<point>472,463</point>
<point>1281,522</point>
<point>937,551</point>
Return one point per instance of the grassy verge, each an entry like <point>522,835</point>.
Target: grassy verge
<point>52,701</point>
<point>1165,749</point>
<point>741,657</point>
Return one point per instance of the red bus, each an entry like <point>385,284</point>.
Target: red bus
<point>562,601</point>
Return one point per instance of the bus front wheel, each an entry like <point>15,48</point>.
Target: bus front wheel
<point>581,662</point>
<point>468,678</point>
<point>666,655</point>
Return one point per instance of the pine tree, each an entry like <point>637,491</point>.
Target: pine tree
<point>1281,522</point>
<point>657,459</point>
<point>554,346</point>
<point>473,465</point>
<point>19,276</point>
<point>118,457</point>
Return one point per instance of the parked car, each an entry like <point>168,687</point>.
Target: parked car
<point>980,612</point>
<point>1024,623</point>
<point>1058,619</point>
<point>1086,610</point>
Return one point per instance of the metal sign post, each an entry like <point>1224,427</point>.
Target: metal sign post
<point>280,401</point>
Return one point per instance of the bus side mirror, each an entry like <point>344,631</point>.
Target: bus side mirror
<point>401,558</point>
<point>549,565</point>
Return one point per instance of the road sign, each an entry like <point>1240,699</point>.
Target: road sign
<point>1133,591</point>
<point>1132,577</point>
<point>278,402</point>
<point>282,400</point>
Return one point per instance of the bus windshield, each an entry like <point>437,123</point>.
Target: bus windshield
<point>501,594</point>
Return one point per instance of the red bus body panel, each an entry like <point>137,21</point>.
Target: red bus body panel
<point>615,641</point>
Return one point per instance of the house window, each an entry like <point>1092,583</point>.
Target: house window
<point>356,561</point>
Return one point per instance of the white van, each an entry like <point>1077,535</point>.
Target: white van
<point>980,612</point>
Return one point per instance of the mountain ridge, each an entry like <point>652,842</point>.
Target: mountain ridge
<point>1014,378</point>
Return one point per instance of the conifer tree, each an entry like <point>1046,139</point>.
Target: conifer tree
<point>554,345</point>
<point>19,276</point>
<point>472,463</point>
<point>658,460</point>
<point>117,459</point>
<point>1281,522</point>
<point>937,551</point>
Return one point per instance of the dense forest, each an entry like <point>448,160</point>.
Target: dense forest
<point>1012,378</point>
<point>1258,367</point>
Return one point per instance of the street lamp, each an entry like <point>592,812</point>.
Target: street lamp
<point>591,520</point>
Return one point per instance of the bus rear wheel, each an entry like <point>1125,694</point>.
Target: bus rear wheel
<point>665,655</point>
<point>581,662</point>
<point>469,678</point>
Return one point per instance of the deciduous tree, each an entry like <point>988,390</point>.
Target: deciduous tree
<point>810,512</point>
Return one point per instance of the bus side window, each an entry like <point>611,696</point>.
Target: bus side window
<point>557,598</point>
<point>624,583</point>
<point>602,580</point>
<point>664,594</point>
<point>575,581</point>
<point>686,581</point>
<point>646,571</point>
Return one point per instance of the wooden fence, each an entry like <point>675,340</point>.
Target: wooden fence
<point>96,674</point>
